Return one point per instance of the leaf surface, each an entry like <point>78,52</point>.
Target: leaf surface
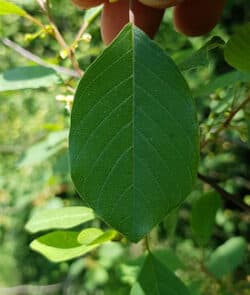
<point>60,218</point>
<point>237,50</point>
<point>60,246</point>
<point>203,216</point>
<point>156,279</point>
<point>10,8</point>
<point>30,77</point>
<point>227,257</point>
<point>134,135</point>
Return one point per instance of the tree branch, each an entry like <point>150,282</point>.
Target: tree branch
<point>36,59</point>
<point>224,194</point>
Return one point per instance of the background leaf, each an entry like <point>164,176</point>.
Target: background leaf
<point>137,290</point>
<point>134,135</point>
<point>237,49</point>
<point>88,235</point>
<point>222,81</point>
<point>30,77</point>
<point>203,216</point>
<point>200,57</point>
<point>156,279</point>
<point>92,13</point>
<point>227,256</point>
<point>10,8</point>
<point>60,246</point>
<point>61,218</point>
<point>37,153</point>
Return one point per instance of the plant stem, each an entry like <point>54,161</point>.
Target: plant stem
<point>226,195</point>
<point>147,244</point>
<point>35,21</point>
<point>36,59</point>
<point>228,120</point>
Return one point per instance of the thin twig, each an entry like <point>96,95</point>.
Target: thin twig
<point>35,21</point>
<point>41,3</point>
<point>228,120</point>
<point>226,195</point>
<point>58,36</point>
<point>147,244</point>
<point>80,32</point>
<point>36,59</point>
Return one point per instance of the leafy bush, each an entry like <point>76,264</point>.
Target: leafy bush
<point>134,152</point>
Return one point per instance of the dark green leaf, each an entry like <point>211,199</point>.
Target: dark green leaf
<point>227,257</point>
<point>134,135</point>
<point>156,279</point>
<point>237,49</point>
<point>61,218</point>
<point>28,78</point>
<point>130,270</point>
<point>201,57</point>
<point>203,216</point>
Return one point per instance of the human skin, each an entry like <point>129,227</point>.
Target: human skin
<point>161,4</point>
<point>116,15</point>
<point>197,17</point>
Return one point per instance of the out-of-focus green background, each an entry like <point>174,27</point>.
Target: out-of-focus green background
<point>34,171</point>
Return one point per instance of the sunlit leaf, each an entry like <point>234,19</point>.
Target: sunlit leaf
<point>60,218</point>
<point>7,7</point>
<point>60,246</point>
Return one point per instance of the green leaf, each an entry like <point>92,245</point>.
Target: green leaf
<point>134,136</point>
<point>137,290</point>
<point>227,257</point>
<point>169,259</point>
<point>92,13</point>
<point>88,235</point>
<point>60,246</point>
<point>201,57</point>
<point>130,270</point>
<point>203,216</point>
<point>237,49</point>
<point>93,236</point>
<point>38,153</point>
<point>10,8</point>
<point>222,81</point>
<point>61,218</point>
<point>30,77</point>
<point>107,236</point>
<point>156,279</point>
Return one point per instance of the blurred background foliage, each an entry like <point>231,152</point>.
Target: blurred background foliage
<point>34,171</point>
